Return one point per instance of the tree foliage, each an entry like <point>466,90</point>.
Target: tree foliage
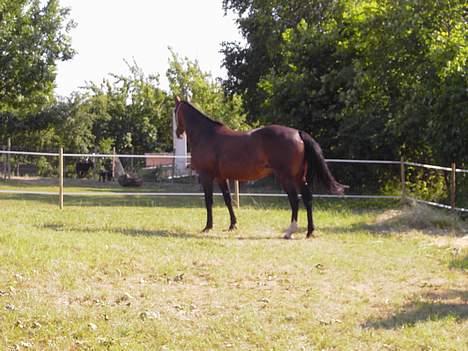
<point>187,80</point>
<point>369,79</point>
<point>34,35</point>
<point>128,112</point>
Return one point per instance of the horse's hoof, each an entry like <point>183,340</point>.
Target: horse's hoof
<point>232,227</point>
<point>292,229</point>
<point>206,229</point>
<point>310,235</point>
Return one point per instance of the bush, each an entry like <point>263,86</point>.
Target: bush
<point>45,168</point>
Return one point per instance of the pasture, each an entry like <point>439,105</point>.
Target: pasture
<point>137,274</point>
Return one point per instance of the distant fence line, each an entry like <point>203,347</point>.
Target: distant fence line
<point>402,163</point>
<point>330,160</point>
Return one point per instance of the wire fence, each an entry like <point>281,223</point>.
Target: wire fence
<point>169,175</point>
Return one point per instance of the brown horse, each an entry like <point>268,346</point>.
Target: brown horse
<point>220,153</point>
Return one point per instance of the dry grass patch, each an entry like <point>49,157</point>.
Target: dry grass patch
<point>422,218</point>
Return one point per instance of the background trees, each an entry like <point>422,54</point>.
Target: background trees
<point>129,113</point>
<point>187,80</point>
<point>34,35</point>
<point>369,79</point>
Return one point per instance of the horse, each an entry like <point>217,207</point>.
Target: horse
<point>105,172</point>
<point>104,175</point>
<point>82,167</point>
<point>219,153</point>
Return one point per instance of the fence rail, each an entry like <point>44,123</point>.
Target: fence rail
<point>56,154</point>
<point>402,163</point>
<point>423,165</point>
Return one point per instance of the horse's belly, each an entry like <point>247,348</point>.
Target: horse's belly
<point>244,171</point>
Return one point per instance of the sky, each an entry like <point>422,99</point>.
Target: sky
<point>111,31</point>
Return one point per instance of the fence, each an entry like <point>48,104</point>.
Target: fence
<point>403,165</point>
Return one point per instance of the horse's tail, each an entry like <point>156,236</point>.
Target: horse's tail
<point>317,168</point>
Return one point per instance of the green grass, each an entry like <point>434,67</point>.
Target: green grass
<point>136,274</point>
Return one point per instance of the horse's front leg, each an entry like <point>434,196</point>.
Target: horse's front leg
<point>224,186</point>
<point>207,184</point>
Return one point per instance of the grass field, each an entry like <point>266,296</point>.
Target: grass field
<point>136,274</point>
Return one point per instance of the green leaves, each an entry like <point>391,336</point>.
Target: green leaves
<point>369,79</point>
<point>187,80</point>
<point>130,112</point>
<point>33,37</point>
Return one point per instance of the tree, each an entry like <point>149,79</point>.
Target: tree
<point>74,125</point>
<point>369,79</point>
<point>33,37</point>
<point>130,112</point>
<point>187,80</point>
<point>411,63</point>
<point>262,24</point>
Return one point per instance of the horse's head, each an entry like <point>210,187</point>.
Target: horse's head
<point>179,117</point>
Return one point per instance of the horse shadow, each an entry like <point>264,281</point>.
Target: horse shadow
<point>178,233</point>
<point>430,306</point>
<point>161,233</point>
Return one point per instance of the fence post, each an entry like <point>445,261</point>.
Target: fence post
<point>4,162</point>
<point>173,167</point>
<point>8,160</point>
<point>61,178</point>
<point>236,193</point>
<point>453,186</point>
<point>113,163</point>
<point>403,179</point>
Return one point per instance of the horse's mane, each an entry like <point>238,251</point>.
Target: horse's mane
<point>208,119</point>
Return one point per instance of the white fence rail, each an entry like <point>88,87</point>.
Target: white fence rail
<point>403,165</point>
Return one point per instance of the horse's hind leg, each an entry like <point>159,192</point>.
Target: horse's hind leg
<point>294,202</point>
<point>207,184</point>
<point>224,186</point>
<point>307,199</point>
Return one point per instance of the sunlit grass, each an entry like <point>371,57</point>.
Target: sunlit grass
<point>136,274</point>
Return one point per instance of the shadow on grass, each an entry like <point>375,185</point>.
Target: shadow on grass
<point>125,231</point>
<point>431,306</point>
<point>175,234</point>
<point>335,204</point>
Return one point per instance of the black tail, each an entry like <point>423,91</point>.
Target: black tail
<point>317,166</point>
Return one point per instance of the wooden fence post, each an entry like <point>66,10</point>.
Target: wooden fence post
<point>113,163</point>
<point>61,178</point>
<point>403,179</point>
<point>453,186</point>
<point>8,160</point>
<point>173,167</point>
<point>4,156</point>
<point>236,191</point>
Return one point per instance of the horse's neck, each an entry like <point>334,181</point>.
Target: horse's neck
<point>198,126</point>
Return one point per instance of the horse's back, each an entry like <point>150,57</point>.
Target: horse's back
<point>260,152</point>
<point>277,133</point>
<point>276,140</point>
